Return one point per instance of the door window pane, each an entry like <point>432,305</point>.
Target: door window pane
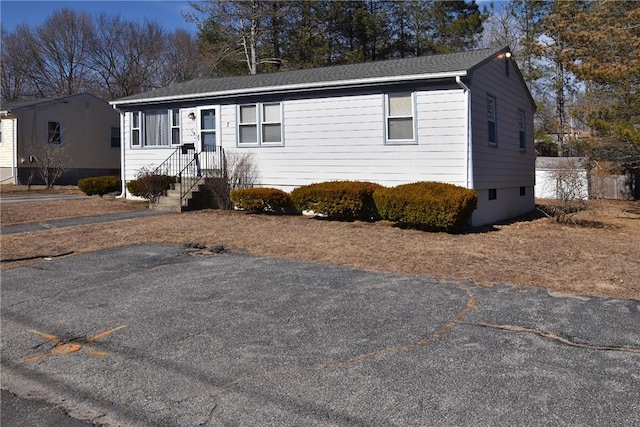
<point>208,119</point>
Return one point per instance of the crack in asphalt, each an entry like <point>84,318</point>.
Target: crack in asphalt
<point>445,328</point>
<point>555,337</point>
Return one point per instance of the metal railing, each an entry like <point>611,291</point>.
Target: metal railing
<point>204,164</point>
<point>190,166</point>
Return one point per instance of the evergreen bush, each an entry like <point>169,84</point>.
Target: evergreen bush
<point>151,186</point>
<point>348,200</point>
<point>100,185</point>
<point>427,205</point>
<point>262,200</point>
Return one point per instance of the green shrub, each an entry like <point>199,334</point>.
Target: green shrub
<point>260,200</point>
<point>151,186</point>
<point>338,199</point>
<point>427,205</point>
<point>99,185</point>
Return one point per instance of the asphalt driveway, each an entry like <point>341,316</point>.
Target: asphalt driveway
<point>154,336</point>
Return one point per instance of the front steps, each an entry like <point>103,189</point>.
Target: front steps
<point>199,197</point>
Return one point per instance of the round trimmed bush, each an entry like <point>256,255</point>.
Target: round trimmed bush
<point>427,205</point>
<point>262,200</point>
<point>100,185</point>
<point>347,200</point>
<point>151,186</point>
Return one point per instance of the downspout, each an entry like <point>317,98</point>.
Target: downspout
<point>14,150</point>
<point>123,169</point>
<point>469,174</point>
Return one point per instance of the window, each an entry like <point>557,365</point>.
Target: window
<point>135,128</point>
<point>260,124</point>
<point>521,127</point>
<point>248,131</point>
<point>491,119</point>
<point>523,191</point>
<point>53,133</point>
<point>493,194</point>
<point>175,127</point>
<point>155,128</point>
<point>399,109</point>
<point>115,137</point>
<point>271,124</point>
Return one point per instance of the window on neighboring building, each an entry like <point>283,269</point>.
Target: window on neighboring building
<point>493,194</point>
<point>115,137</point>
<point>54,136</point>
<point>492,119</point>
<point>521,127</point>
<point>523,191</point>
<point>155,128</point>
<point>400,124</point>
<point>260,124</point>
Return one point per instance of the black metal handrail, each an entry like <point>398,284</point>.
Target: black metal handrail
<point>205,164</point>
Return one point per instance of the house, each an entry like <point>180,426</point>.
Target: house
<point>81,130</point>
<point>462,118</point>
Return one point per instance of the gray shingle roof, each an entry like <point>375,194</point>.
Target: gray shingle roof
<point>424,66</point>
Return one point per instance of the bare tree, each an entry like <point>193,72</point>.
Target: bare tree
<point>238,170</point>
<point>126,56</point>
<point>15,65</point>
<point>181,58</point>
<point>51,161</point>
<point>60,53</point>
<point>571,189</point>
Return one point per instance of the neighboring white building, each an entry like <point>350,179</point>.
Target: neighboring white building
<point>463,118</point>
<point>85,126</point>
<point>561,178</point>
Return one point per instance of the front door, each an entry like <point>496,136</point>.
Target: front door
<point>207,128</point>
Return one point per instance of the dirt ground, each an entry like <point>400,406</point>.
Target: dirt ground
<point>598,255</point>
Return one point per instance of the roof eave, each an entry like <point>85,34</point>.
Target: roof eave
<point>300,87</point>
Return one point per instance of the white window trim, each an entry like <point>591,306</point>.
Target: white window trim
<point>142,143</point>
<point>172,126</point>
<point>258,124</point>
<point>387,140</point>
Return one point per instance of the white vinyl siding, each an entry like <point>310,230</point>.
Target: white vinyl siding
<point>343,138</point>
<point>400,118</point>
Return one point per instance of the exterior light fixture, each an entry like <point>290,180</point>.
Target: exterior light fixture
<point>192,115</point>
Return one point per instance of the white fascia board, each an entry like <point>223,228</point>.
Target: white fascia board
<point>299,87</point>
